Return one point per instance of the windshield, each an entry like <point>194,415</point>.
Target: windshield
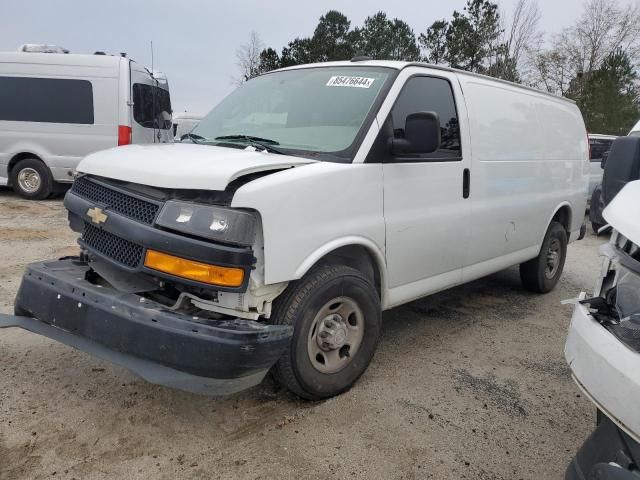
<point>318,111</point>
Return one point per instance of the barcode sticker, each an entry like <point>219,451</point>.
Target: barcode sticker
<point>357,82</point>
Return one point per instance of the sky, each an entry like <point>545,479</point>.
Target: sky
<point>195,41</point>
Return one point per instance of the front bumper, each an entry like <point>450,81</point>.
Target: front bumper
<point>213,357</point>
<point>605,368</point>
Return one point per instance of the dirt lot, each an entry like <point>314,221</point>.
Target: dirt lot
<point>470,383</point>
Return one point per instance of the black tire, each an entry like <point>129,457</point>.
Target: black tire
<point>45,185</point>
<point>596,227</point>
<point>535,274</point>
<point>299,306</point>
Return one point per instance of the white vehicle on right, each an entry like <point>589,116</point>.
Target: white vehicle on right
<point>603,350</point>
<point>635,131</point>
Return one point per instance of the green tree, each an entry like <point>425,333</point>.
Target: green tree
<point>608,97</point>
<point>332,39</point>
<point>434,42</point>
<point>297,52</point>
<point>382,38</point>
<point>504,66</point>
<point>472,39</point>
<point>269,60</point>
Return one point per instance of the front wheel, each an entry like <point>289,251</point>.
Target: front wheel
<point>336,317</point>
<point>542,273</point>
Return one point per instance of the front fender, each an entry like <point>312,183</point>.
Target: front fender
<point>310,210</point>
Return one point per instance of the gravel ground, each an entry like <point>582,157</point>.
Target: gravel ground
<point>467,384</point>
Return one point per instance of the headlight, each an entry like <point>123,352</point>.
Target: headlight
<point>217,223</point>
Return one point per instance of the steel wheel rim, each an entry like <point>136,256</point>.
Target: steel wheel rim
<point>335,335</point>
<point>29,180</point>
<point>553,258</point>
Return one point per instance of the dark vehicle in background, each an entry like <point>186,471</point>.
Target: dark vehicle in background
<point>621,165</point>
<point>599,146</point>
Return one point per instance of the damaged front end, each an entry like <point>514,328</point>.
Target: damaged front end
<point>180,304</point>
<point>603,349</point>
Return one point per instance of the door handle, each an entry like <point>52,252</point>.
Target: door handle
<point>466,183</point>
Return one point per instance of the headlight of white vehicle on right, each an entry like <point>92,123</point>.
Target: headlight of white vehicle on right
<point>216,223</point>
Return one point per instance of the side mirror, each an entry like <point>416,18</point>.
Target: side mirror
<point>421,135</point>
<point>603,160</point>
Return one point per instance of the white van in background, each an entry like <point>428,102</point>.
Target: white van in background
<point>183,123</point>
<point>56,108</point>
<point>635,131</point>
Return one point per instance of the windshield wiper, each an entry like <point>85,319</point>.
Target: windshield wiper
<point>264,143</point>
<point>193,137</point>
<point>247,137</point>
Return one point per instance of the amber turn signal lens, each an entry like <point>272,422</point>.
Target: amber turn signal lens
<point>197,271</point>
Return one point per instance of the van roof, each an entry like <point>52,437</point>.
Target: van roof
<point>399,65</point>
<point>68,59</point>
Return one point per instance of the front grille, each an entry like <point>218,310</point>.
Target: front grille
<point>116,201</point>
<point>122,251</point>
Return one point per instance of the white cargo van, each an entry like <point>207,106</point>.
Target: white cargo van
<point>183,123</point>
<point>56,108</point>
<point>635,131</point>
<point>308,201</point>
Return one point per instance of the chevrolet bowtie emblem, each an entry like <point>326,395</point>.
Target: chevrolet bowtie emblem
<point>96,215</point>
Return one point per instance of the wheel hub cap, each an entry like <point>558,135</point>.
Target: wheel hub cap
<point>553,258</point>
<point>335,335</point>
<point>332,333</point>
<point>29,180</point>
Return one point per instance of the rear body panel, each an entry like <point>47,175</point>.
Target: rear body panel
<point>144,134</point>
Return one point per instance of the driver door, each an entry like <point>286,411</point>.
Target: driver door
<point>426,195</point>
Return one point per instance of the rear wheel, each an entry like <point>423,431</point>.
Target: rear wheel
<point>542,273</point>
<point>32,179</point>
<point>335,312</point>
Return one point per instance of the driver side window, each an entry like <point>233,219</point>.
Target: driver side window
<point>429,94</point>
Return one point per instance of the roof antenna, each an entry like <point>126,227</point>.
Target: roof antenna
<point>152,58</point>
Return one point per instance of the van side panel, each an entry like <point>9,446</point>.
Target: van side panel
<point>529,156</point>
<point>62,145</point>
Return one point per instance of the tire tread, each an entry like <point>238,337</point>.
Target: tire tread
<point>284,312</point>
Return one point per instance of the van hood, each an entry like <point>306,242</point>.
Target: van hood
<point>183,165</point>
<point>622,211</point>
